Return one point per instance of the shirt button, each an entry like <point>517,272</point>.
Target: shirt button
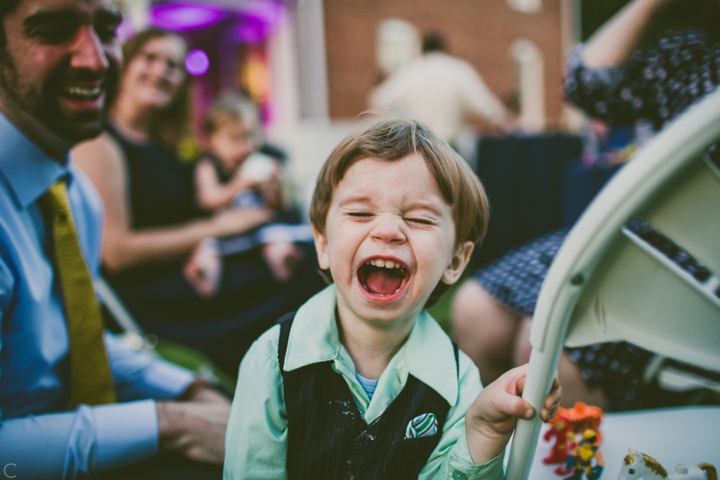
<point>457,475</point>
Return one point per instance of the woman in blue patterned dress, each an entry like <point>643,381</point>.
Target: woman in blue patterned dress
<point>611,80</point>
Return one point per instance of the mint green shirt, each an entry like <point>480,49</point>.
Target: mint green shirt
<point>256,439</point>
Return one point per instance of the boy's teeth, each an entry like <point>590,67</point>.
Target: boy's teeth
<point>378,262</point>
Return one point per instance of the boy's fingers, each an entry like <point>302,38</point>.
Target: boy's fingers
<point>515,406</point>
<point>556,381</point>
<point>552,403</point>
<point>554,397</point>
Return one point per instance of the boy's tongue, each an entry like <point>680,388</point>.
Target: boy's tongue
<point>381,281</point>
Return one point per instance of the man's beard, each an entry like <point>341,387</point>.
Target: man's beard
<point>42,101</point>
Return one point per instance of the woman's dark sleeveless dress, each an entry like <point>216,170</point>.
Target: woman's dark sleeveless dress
<point>162,194</point>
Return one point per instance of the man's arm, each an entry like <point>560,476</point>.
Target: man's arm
<point>481,103</point>
<point>195,424</point>
<point>65,445</point>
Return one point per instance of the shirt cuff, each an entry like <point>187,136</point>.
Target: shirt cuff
<point>462,467</point>
<point>126,433</point>
<point>164,381</point>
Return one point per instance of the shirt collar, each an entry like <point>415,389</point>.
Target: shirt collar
<point>428,353</point>
<point>28,171</point>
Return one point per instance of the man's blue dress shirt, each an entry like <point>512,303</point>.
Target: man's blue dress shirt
<point>39,437</point>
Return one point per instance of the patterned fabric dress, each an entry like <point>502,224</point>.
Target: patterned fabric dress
<point>656,84</point>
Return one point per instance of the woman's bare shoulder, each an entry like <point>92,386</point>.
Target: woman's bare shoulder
<point>101,155</point>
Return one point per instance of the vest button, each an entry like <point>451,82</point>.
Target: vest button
<point>457,475</point>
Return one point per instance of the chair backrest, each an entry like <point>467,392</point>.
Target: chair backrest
<point>641,265</point>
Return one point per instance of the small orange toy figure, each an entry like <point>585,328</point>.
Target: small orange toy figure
<point>585,458</point>
<point>568,424</point>
<point>564,441</point>
<point>583,416</point>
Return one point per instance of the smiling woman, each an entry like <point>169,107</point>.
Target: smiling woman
<point>153,222</point>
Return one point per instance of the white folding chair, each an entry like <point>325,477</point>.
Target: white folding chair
<point>608,283</point>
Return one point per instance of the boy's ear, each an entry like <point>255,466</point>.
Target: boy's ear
<point>321,249</point>
<point>458,263</point>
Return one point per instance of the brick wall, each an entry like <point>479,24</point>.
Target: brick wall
<point>479,31</point>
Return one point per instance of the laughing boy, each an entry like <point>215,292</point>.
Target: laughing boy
<point>361,382</point>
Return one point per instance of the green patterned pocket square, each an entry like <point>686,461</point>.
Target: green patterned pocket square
<point>424,425</point>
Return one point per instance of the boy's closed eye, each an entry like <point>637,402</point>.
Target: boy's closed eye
<point>420,221</point>
<point>360,215</point>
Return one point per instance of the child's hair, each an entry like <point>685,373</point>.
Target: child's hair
<point>392,139</point>
<point>232,107</point>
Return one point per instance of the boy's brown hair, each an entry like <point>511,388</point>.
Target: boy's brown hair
<point>392,139</point>
<point>396,138</point>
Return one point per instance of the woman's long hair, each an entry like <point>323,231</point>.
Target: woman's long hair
<point>174,122</point>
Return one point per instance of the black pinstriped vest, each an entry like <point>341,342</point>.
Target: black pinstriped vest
<point>328,437</point>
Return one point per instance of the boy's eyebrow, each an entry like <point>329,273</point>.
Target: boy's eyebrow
<point>432,207</point>
<point>425,205</point>
<point>68,16</point>
<point>355,199</point>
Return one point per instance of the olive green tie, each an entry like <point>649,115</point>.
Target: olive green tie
<point>90,378</point>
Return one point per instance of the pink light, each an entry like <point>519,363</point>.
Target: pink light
<point>197,62</point>
<point>184,17</point>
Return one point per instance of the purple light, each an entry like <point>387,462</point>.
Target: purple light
<point>184,17</point>
<point>197,62</point>
<point>250,32</point>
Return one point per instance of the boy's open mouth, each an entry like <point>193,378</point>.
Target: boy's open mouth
<point>382,277</point>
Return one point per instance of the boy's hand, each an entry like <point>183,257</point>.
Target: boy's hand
<point>491,418</point>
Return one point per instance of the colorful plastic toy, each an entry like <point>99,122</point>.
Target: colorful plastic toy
<point>565,440</point>
<point>640,466</point>
<point>585,458</point>
<point>565,428</point>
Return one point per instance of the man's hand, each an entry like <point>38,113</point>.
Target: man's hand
<point>491,418</point>
<point>195,426</point>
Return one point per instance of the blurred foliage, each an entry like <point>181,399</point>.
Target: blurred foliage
<point>704,14</point>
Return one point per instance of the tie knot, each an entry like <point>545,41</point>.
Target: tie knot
<point>56,198</point>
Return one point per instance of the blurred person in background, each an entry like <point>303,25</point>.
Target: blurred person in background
<point>231,172</point>
<point>610,79</point>
<point>75,402</point>
<point>234,173</point>
<point>442,91</point>
<point>154,224</point>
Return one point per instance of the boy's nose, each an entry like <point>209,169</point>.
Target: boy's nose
<point>388,229</point>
